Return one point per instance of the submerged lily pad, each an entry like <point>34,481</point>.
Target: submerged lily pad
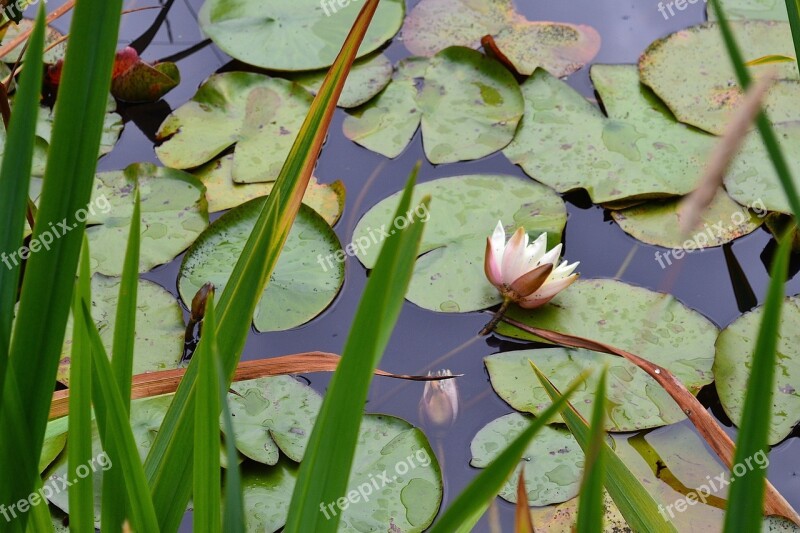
<point>159,326</point>
<point>173,214</point>
<point>223,193</point>
<point>470,106</point>
<point>750,9</point>
<point>258,114</point>
<point>294,34</point>
<point>734,358</point>
<point>387,124</point>
<point>307,278</point>
<point>652,325</point>
<point>658,223</point>
<point>686,71</point>
<point>449,275</point>
<point>368,76</point>
<point>635,400</point>
<point>638,152</point>
<point>558,47</point>
<point>553,461</point>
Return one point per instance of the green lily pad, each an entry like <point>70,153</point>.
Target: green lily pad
<point>470,105</point>
<point>635,400</point>
<point>270,414</point>
<point>294,34</point>
<point>684,69</point>
<point>553,461</point>
<point>260,115</point>
<point>652,325</point>
<point>387,124</point>
<point>306,279</point>
<point>735,347</point>
<point>750,9</point>
<point>391,455</point>
<point>173,209</point>
<point>368,76</point>
<point>751,179</point>
<point>159,326</point>
<point>638,152</point>
<point>52,35</point>
<point>55,438</point>
<point>658,223</point>
<point>449,274</point>
<point>223,193</point>
<point>560,48</point>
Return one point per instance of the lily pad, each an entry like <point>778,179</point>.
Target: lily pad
<point>635,400</point>
<point>368,76</point>
<point>55,438</point>
<point>52,35</point>
<point>638,152</point>
<point>258,114</point>
<point>658,223</point>
<point>552,462</point>
<point>391,455</point>
<point>449,274</point>
<point>223,193</point>
<point>387,124</point>
<point>159,326</point>
<point>560,48</point>
<point>306,279</point>
<point>750,9</point>
<point>470,106</point>
<point>652,325</point>
<point>294,34</point>
<point>735,347</point>
<point>134,80</point>
<point>684,69</point>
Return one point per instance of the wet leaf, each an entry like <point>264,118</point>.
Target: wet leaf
<point>174,214</point>
<point>470,106</point>
<point>732,368</point>
<point>159,326</point>
<point>559,48</point>
<point>652,325</point>
<point>658,223</point>
<point>134,80</point>
<point>553,461</point>
<point>635,400</point>
<point>368,76</point>
<point>294,34</point>
<point>638,152</point>
<point>223,193</point>
<point>307,278</point>
<point>449,274</point>
<point>51,36</point>
<point>670,66</point>
<point>260,115</point>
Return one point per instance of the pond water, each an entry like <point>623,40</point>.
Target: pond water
<point>427,341</point>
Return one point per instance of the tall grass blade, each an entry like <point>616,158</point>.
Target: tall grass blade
<point>590,504</point>
<point>746,497</point>
<point>793,11</point>
<point>233,514</point>
<point>469,506</point>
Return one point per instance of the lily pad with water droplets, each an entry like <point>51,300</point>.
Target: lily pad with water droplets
<point>560,48</point>
<point>650,324</point>
<point>552,462</point>
<point>684,69</point>
<point>735,347</point>
<point>307,278</point>
<point>222,192</point>
<point>258,114</point>
<point>635,400</point>
<point>174,213</point>
<point>638,152</point>
<point>158,342</point>
<point>294,35</point>
<point>449,274</point>
<point>470,106</point>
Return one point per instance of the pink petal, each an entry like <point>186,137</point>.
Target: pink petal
<point>491,266</point>
<point>547,292</point>
<point>514,256</point>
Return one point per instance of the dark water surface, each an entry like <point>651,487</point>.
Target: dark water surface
<point>424,340</point>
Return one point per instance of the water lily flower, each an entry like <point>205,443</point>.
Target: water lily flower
<point>523,272</point>
<point>438,406</point>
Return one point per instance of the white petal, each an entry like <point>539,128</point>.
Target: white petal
<point>514,256</point>
<point>564,270</point>
<point>546,292</point>
<point>498,240</point>
<point>552,256</point>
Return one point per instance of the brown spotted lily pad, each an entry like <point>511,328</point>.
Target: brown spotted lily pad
<point>134,80</point>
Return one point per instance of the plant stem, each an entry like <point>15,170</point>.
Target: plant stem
<point>488,328</point>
